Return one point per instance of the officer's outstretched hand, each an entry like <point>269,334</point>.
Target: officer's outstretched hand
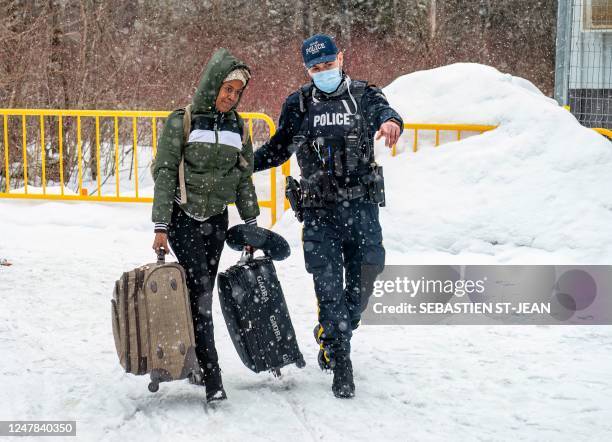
<point>391,131</point>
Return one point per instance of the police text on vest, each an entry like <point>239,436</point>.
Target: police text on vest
<point>332,119</point>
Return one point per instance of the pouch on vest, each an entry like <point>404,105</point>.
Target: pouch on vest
<point>375,184</point>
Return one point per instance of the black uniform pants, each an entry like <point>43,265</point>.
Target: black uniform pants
<point>198,246</point>
<point>337,242</point>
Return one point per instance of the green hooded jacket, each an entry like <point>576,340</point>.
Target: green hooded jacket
<point>214,176</point>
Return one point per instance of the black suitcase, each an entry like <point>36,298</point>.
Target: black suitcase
<point>257,317</point>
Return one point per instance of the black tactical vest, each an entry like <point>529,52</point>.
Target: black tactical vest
<point>333,138</point>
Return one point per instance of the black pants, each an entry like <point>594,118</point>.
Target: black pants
<point>198,246</point>
<point>338,242</point>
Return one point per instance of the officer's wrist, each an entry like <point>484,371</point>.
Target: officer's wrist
<point>393,120</point>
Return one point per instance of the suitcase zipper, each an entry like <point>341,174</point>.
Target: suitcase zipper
<point>258,337</point>
<point>126,313</point>
<point>138,280</point>
<point>142,359</point>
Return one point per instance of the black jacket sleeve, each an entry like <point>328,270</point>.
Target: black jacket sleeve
<point>377,110</point>
<point>276,151</point>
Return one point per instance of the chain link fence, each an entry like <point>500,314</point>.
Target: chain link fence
<point>583,77</point>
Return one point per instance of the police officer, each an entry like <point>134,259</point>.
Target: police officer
<point>330,125</point>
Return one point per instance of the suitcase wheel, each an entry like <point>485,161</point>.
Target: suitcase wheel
<point>276,372</point>
<point>300,363</point>
<point>196,378</point>
<point>153,386</point>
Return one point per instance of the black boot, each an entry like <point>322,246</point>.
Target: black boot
<point>213,383</point>
<point>323,357</point>
<point>343,385</point>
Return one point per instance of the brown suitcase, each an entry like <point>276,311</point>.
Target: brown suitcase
<point>152,323</point>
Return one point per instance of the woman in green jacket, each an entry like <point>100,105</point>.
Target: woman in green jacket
<point>216,160</point>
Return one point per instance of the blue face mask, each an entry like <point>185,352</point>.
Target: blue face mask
<point>327,81</point>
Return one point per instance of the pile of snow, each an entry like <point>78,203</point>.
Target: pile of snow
<point>539,184</point>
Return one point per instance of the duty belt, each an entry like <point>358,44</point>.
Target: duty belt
<point>351,193</point>
<point>341,194</point>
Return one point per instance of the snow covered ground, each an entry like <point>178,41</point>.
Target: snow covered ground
<point>536,190</point>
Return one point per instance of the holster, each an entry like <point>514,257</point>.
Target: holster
<point>294,195</point>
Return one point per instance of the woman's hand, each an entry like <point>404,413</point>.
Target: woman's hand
<point>161,240</point>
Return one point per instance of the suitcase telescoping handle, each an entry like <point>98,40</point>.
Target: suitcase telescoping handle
<point>161,255</point>
<point>246,256</point>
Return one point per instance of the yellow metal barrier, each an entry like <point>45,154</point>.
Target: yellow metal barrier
<point>439,128</point>
<point>153,116</point>
<point>604,132</point>
<point>459,128</point>
<point>82,194</point>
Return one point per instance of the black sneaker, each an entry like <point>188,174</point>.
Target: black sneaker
<point>323,358</point>
<point>343,385</point>
<point>213,384</point>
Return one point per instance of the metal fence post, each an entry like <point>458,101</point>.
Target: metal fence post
<point>562,61</point>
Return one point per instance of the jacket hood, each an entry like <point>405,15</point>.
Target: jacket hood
<point>218,67</point>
